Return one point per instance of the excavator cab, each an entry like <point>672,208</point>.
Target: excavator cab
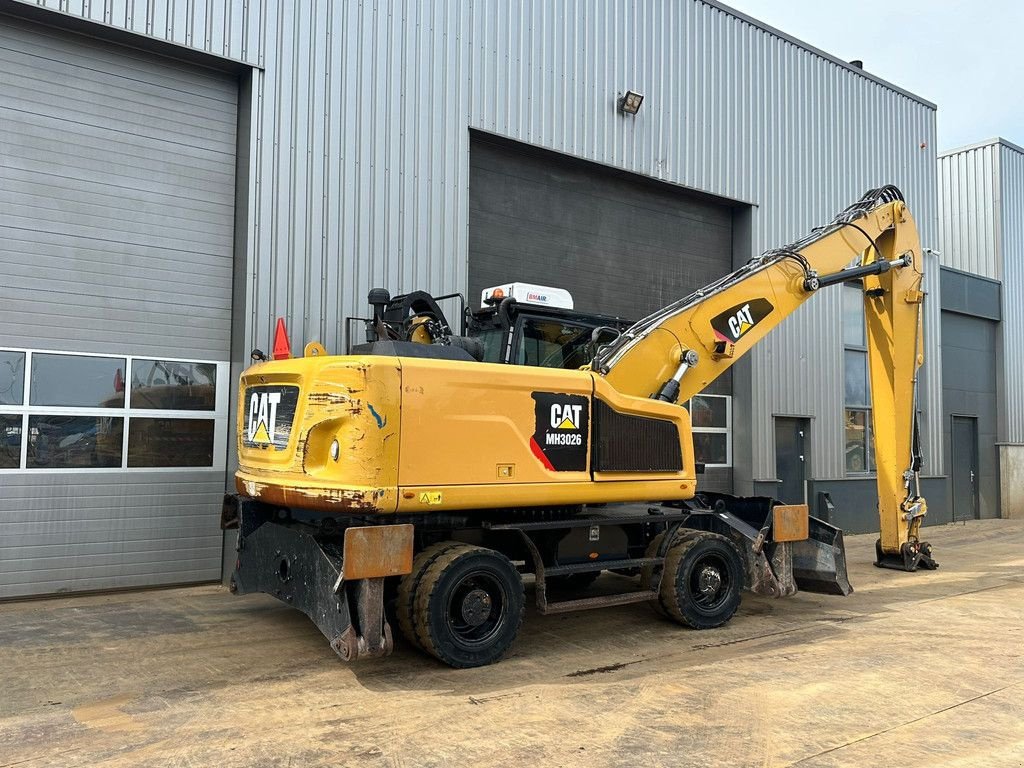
<point>516,324</point>
<point>523,324</point>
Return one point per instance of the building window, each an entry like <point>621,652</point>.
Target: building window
<point>711,418</point>
<point>860,456</point>
<point>12,377</point>
<point>100,412</point>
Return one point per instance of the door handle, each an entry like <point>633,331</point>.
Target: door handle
<point>972,473</point>
<point>802,458</point>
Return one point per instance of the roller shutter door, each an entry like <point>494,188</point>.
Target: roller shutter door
<point>620,243</point>
<point>117,190</point>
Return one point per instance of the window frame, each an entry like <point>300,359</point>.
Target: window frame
<point>726,430</point>
<point>219,414</point>
<point>870,468</point>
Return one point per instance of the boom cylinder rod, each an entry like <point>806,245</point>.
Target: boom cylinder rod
<point>874,268</point>
<point>669,391</point>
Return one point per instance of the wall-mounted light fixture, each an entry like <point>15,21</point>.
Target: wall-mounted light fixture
<point>630,102</point>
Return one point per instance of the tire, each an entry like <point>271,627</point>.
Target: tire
<point>649,574</point>
<point>408,585</point>
<point>703,581</point>
<point>468,606</point>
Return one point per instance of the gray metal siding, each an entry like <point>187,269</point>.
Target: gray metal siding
<point>968,210</point>
<point>1011,184</point>
<point>970,295</point>
<point>360,160</point>
<point>117,187</point>
<point>982,212</point>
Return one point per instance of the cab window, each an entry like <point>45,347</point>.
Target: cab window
<point>553,343</point>
<point>494,348</point>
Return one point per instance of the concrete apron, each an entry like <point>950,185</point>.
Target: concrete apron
<point>923,667</point>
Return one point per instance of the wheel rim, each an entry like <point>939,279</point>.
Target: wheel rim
<point>476,608</point>
<point>710,583</point>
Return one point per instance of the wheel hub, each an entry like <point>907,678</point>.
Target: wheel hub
<point>476,607</point>
<point>710,581</point>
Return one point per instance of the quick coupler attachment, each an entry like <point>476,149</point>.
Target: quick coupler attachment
<point>912,556</point>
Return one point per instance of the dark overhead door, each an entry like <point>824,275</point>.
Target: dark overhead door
<point>620,243</point>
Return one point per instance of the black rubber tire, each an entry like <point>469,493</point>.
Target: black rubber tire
<point>442,629</point>
<point>685,565</point>
<point>649,574</point>
<point>409,584</point>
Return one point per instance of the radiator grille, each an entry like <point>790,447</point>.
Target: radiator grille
<point>627,443</point>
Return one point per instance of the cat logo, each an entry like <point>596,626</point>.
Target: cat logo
<point>263,417</point>
<point>731,325</point>
<point>269,413</point>
<point>564,416</point>
<point>742,322</point>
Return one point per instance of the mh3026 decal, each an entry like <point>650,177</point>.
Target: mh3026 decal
<point>561,430</point>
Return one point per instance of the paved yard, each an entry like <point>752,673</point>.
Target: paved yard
<point>912,669</point>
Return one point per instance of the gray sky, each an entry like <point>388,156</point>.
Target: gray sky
<point>967,57</point>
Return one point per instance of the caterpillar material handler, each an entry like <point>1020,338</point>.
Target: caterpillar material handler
<point>419,477</point>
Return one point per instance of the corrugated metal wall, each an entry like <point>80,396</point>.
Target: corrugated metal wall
<point>361,146</point>
<point>968,195</point>
<point>981,199</point>
<point>1011,239</point>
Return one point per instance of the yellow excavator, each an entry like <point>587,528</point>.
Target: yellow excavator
<point>419,477</point>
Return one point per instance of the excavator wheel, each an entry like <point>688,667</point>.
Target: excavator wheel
<point>703,580</point>
<point>468,606</point>
<point>409,584</point>
<point>649,574</point>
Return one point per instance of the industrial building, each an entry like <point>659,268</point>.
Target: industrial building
<point>174,177</point>
<point>981,237</point>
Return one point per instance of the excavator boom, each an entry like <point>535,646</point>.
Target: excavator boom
<point>679,350</point>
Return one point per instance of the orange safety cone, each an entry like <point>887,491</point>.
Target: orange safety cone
<point>282,347</point>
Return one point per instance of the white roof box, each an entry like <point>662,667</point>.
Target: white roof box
<point>541,295</point>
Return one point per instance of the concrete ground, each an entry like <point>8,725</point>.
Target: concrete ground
<point>912,669</point>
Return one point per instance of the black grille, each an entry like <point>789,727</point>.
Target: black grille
<point>626,443</point>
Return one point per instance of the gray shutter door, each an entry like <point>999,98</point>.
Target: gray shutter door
<point>621,244</point>
<point>117,191</point>
<point>116,237</point>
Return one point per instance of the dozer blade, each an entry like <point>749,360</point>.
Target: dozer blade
<point>819,563</point>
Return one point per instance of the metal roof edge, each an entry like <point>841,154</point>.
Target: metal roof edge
<point>817,51</point>
<point>67,21</point>
<point>979,144</point>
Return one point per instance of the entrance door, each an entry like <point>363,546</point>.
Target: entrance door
<point>791,442</point>
<point>965,467</point>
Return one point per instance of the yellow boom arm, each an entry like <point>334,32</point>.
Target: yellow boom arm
<point>676,352</point>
